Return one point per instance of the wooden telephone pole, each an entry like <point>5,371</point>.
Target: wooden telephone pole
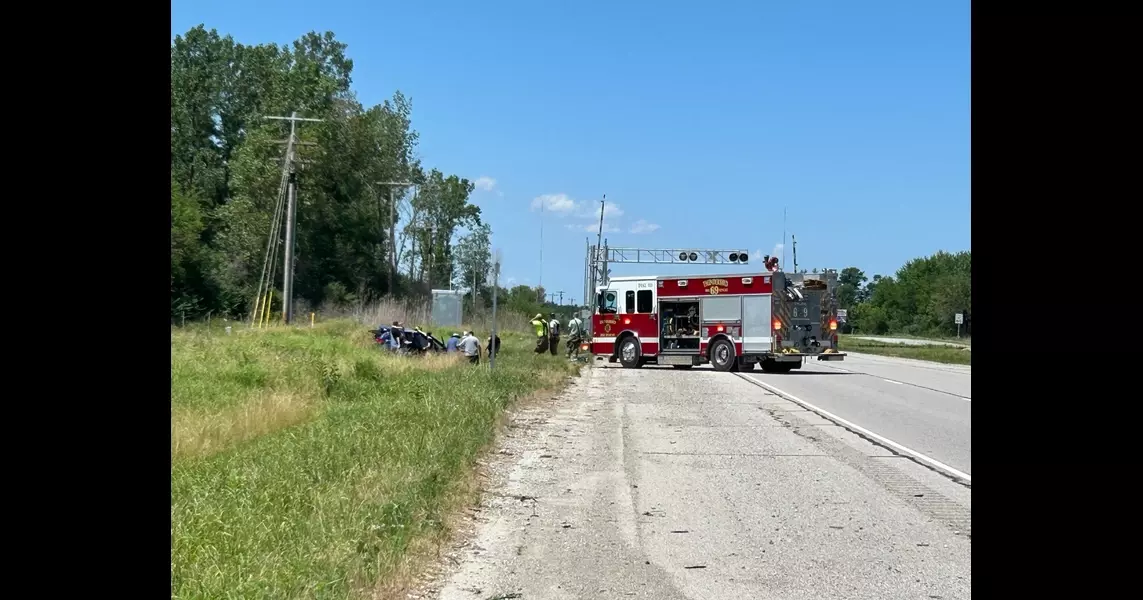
<point>291,212</point>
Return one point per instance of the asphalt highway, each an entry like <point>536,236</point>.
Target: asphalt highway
<point>684,485</point>
<point>923,406</point>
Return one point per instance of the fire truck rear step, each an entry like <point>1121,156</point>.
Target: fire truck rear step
<point>677,359</point>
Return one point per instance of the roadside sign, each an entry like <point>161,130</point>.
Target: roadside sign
<point>841,315</point>
<point>960,318</point>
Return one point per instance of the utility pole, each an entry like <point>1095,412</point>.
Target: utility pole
<point>794,242</point>
<point>561,293</point>
<point>541,282</point>
<point>393,231</point>
<point>291,215</point>
<point>784,238</point>
<point>495,286</point>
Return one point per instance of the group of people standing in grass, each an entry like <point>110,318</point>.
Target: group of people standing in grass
<point>548,334</point>
<point>469,344</point>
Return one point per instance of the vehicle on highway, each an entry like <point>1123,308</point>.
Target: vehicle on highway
<point>734,322</point>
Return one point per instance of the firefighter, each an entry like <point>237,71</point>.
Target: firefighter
<point>575,336</point>
<point>554,334</point>
<point>541,333</point>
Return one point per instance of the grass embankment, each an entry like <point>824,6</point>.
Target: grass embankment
<point>935,353</point>
<point>308,464</point>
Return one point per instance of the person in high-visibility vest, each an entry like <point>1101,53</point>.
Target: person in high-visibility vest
<point>541,333</point>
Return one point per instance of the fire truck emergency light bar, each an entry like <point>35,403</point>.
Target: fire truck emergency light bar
<point>677,256</point>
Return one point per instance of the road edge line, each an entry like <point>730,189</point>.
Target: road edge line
<point>854,428</point>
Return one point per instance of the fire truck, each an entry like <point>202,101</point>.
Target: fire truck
<point>734,322</point>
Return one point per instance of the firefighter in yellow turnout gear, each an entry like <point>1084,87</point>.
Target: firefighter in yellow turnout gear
<point>541,329</point>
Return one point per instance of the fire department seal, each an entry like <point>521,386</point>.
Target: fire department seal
<point>607,327</point>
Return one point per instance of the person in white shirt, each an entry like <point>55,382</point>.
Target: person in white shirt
<point>575,336</point>
<point>553,334</point>
<point>470,345</point>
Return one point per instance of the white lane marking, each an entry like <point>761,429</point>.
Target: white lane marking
<point>966,399</point>
<point>891,381</point>
<point>932,462</point>
<point>838,369</point>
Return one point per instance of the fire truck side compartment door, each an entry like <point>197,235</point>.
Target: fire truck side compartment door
<point>756,333</point>
<point>721,309</point>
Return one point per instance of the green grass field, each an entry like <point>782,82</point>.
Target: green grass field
<point>934,353</point>
<point>308,464</point>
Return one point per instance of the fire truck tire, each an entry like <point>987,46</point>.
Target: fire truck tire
<point>630,355</point>
<point>722,356</point>
<point>745,366</point>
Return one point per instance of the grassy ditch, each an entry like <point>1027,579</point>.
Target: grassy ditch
<point>934,353</point>
<point>308,464</point>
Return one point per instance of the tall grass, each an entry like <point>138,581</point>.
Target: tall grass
<point>419,313</point>
<point>306,463</point>
<point>934,353</point>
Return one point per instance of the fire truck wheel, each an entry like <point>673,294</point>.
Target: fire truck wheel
<point>629,354</point>
<point>722,356</point>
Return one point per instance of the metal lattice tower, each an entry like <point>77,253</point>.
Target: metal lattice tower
<point>598,260</point>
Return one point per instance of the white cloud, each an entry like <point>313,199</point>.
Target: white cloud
<point>642,226</point>
<point>592,227</point>
<point>560,204</point>
<point>563,205</point>
<point>610,209</point>
<point>485,183</point>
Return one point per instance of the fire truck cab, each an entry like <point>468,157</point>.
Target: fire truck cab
<point>733,322</point>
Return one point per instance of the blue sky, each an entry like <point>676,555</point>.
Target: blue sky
<point>699,121</point>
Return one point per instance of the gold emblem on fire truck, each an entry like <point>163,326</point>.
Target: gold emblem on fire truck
<point>607,327</point>
<point>715,287</point>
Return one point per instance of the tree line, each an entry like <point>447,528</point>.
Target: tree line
<point>922,298</point>
<point>226,163</point>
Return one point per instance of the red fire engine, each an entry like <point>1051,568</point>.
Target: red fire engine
<point>733,322</point>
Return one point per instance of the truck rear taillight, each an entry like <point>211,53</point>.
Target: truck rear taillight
<point>777,325</point>
<point>720,329</point>
<point>833,325</point>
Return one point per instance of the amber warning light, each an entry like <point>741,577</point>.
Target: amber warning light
<point>777,324</point>
<point>721,328</point>
<point>832,324</point>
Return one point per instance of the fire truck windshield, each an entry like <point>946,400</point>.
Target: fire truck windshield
<point>607,302</point>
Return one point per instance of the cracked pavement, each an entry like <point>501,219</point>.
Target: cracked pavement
<point>655,483</point>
